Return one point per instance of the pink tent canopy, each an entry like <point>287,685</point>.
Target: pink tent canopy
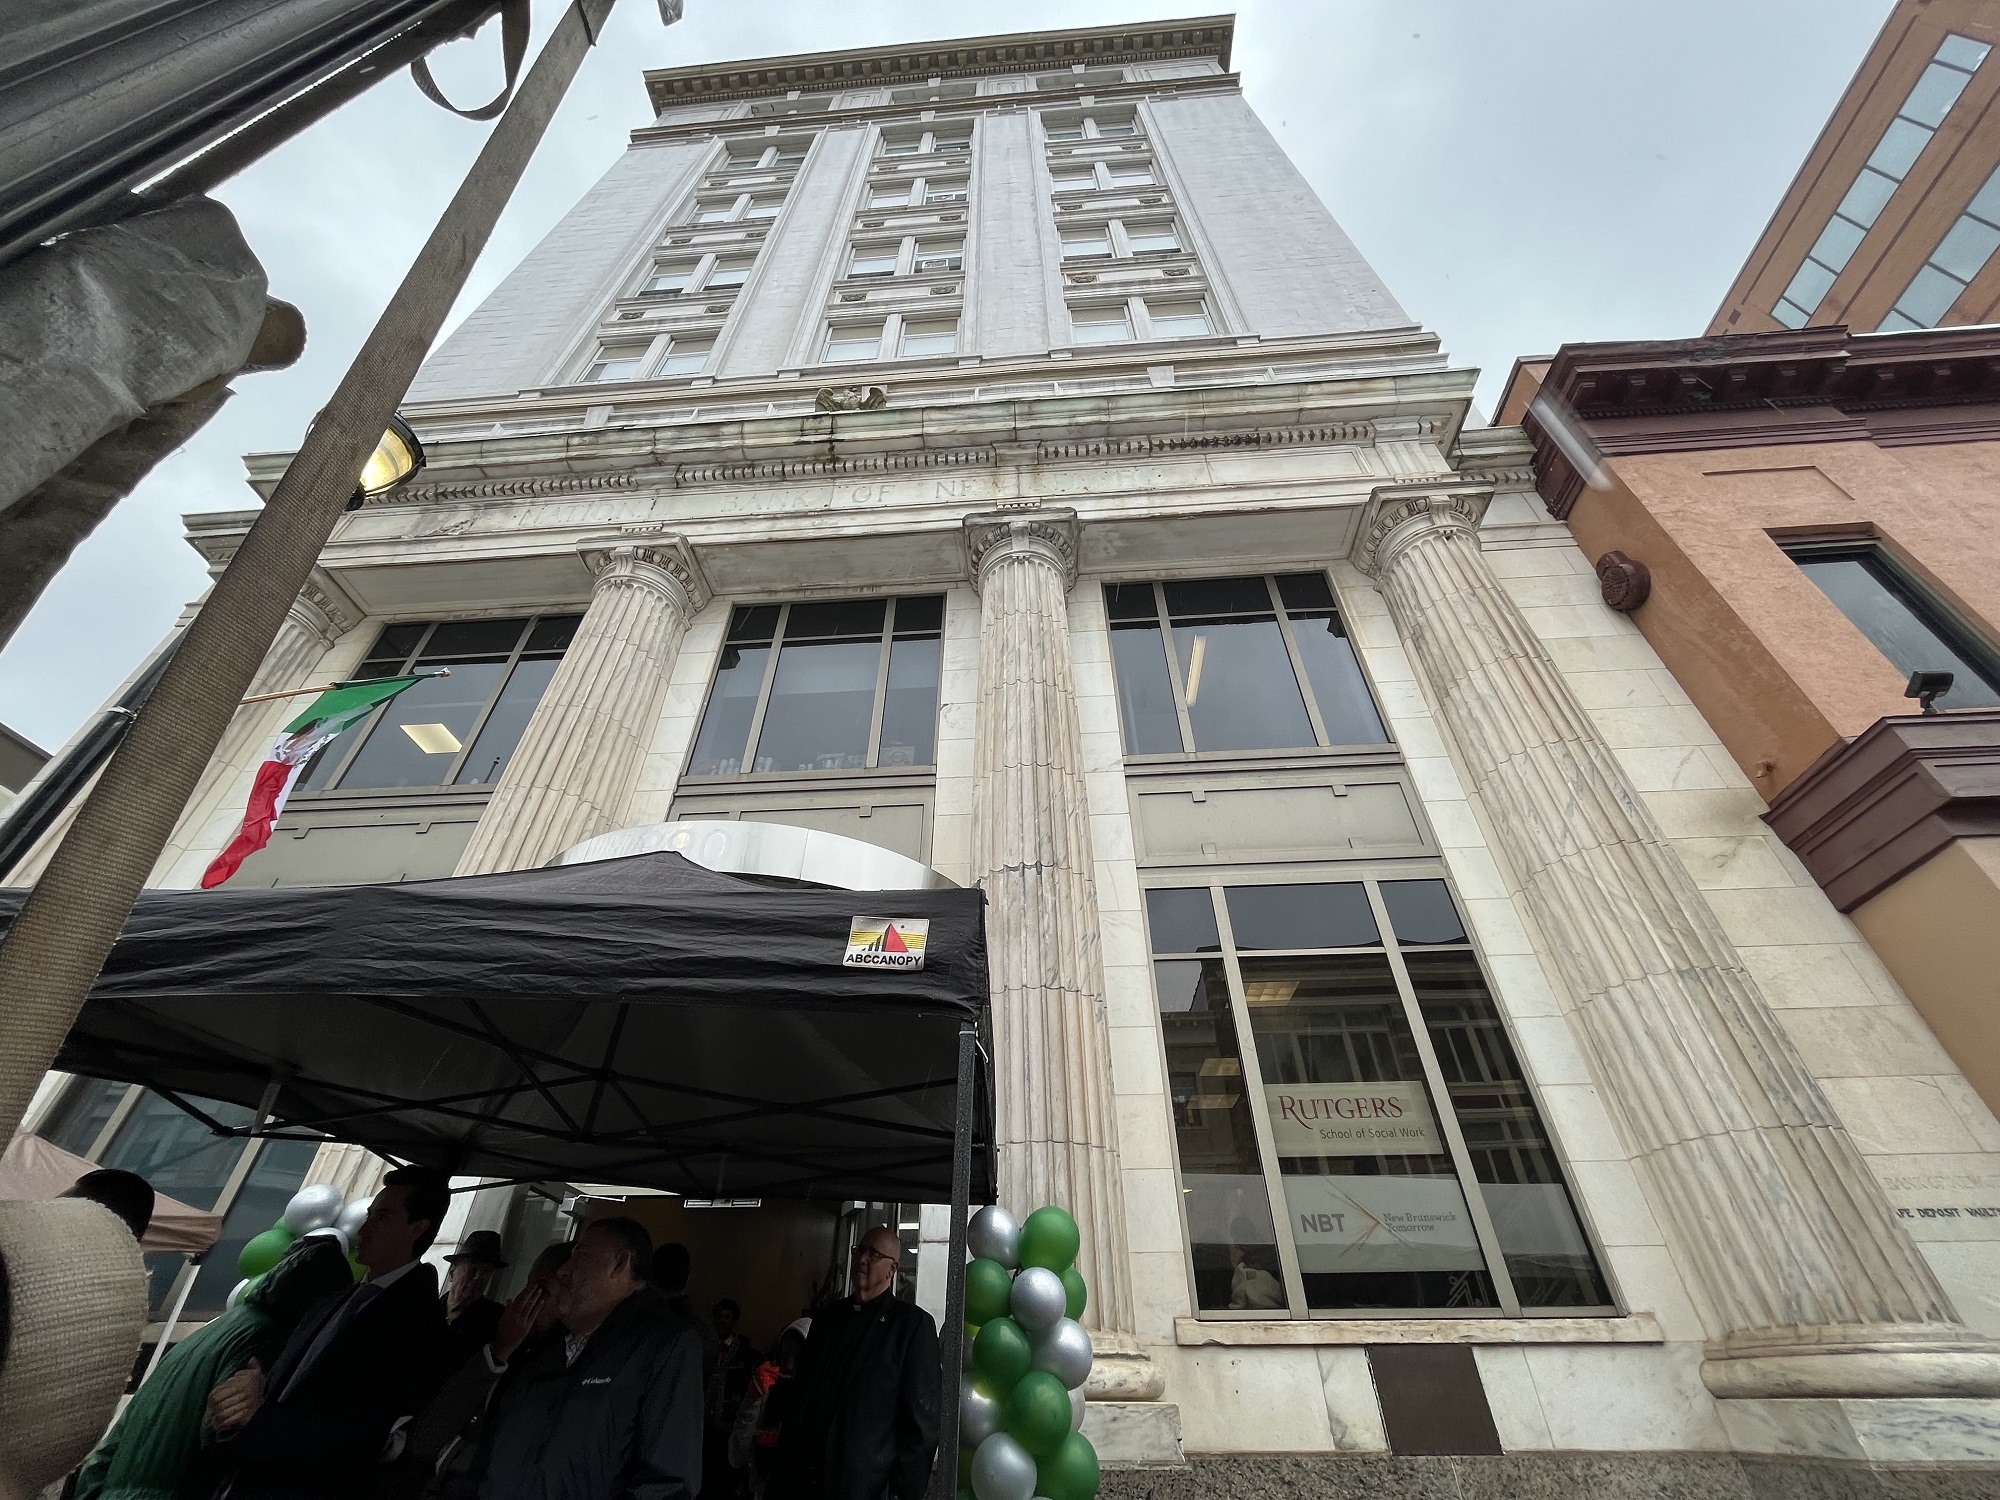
<point>32,1168</point>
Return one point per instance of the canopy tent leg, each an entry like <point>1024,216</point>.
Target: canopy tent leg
<point>951,1341</point>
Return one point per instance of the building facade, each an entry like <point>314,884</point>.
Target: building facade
<point>1892,221</point>
<point>992,450</point>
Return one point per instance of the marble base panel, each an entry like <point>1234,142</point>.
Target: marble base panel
<point>1933,1430</point>
<point>1550,1476</point>
<point>1134,1434</point>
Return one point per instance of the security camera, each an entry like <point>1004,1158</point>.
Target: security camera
<point>1927,688</point>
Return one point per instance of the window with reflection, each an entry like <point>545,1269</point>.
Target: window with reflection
<point>456,730</point>
<point>1902,619</point>
<point>1251,663</point>
<point>1334,1052</point>
<point>826,685</point>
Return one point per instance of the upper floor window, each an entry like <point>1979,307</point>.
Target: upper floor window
<point>908,256</point>
<point>668,354</point>
<point>874,260</point>
<point>852,341</point>
<point>727,274</point>
<point>1121,238</point>
<point>842,685</point>
<point>740,208</point>
<point>1907,625</point>
<point>927,336</point>
<point>1336,1066</point>
<point>1066,127</point>
<point>1254,663</point>
<point>1083,177</point>
<point>1138,318</point>
<point>709,273</point>
<point>944,136</point>
<point>813,104</point>
<point>1929,101</point>
<point>895,337</point>
<point>1961,254</point>
<point>935,93</point>
<point>459,730</point>
<point>943,192</point>
<point>937,255</point>
<point>767,156</point>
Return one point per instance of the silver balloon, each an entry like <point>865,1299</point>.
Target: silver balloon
<point>316,1207</point>
<point>235,1294</point>
<point>1003,1470</point>
<point>329,1232</point>
<point>978,1414</point>
<point>1039,1300</point>
<point>993,1234</point>
<point>1076,1410</point>
<point>349,1222</point>
<point>1064,1351</point>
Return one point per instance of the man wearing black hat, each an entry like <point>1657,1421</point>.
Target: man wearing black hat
<point>472,1316</point>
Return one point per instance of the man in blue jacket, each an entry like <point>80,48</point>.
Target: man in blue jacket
<point>613,1411</point>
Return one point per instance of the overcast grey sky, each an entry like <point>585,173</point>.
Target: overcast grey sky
<point>1523,173</point>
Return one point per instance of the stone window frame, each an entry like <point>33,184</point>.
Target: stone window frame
<point>1139,318</point>
<point>907,250</point>
<point>1089,126</point>
<point>657,351</point>
<point>927,142</point>
<point>704,264</point>
<point>1101,179</point>
<point>1118,231</point>
<point>744,208</point>
<point>1298,1314</point>
<point>889,336</point>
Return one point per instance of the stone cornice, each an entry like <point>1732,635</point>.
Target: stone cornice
<point>863,465</point>
<point>964,57</point>
<point>1397,514</point>
<point>648,554</point>
<point>1052,534</point>
<point>1875,807</point>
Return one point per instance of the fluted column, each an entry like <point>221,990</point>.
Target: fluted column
<point>1806,1283</point>
<point>318,618</point>
<point>1058,1125</point>
<point>574,772</point>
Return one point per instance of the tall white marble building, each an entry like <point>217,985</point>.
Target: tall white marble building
<point>993,450</point>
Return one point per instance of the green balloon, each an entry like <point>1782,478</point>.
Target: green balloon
<point>988,1291</point>
<point>1071,1474</point>
<point>1049,1238</point>
<point>1000,1355</point>
<point>1079,1294</point>
<point>1037,1414</point>
<point>263,1252</point>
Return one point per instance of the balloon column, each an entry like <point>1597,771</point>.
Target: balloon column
<point>1020,1402</point>
<point>311,1210</point>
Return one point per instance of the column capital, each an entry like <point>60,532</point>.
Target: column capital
<point>1397,514</point>
<point>1053,535</point>
<point>652,556</point>
<point>324,609</point>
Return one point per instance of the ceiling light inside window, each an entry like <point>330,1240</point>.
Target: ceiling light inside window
<point>433,739</point>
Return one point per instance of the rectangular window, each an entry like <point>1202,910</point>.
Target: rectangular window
<point>824,686</point>
<point>687,356</point>
<point>896,195</point>
<point>668,281</point>
<point>616,362</point>
<point>872,260</point>
<point>923,336</point>
<point>1931,98</point>
<point>1898,615</point>
<point>714,213</point>
<point>847,343</point>
<point>1075,180</point>
<point>902,145</point>
<point>938,255</point>
<point>1378,1106</point>
<point>744,161</point>
<point>1063,133</point>
<point>1177,320</point>
<point>459,730</point>
<point>1256,663</point>
<point>1086,244</point>
<point>954,142</point>
<point>764,208</point>
<point>1113,129</point>
<point>1152,239</point>
<point>1100,325</point>
<point>1961,254</point>
<point>727,275</point>
<point>944,192</point>
<point>1135,175</point>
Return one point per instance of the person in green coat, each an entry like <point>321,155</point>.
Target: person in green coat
<point>161,1447</point>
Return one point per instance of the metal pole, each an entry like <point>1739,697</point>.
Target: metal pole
<point>52,954</point>
<point>188,1274</point>
<point>951,1343</point>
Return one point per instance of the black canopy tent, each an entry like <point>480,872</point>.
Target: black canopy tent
<point>643,1021</point>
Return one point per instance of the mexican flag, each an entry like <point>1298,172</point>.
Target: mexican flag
<point>297,743</point>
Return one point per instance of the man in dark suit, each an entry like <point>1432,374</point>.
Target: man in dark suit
<point>865,1418</point>
<point>357,1365</point>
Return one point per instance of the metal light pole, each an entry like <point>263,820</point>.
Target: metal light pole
<point>56,947</point>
